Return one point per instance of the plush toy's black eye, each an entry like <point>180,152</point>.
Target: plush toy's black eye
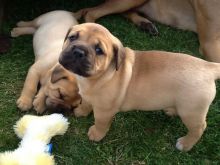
<point>98,50</point>
<point>73,37</point>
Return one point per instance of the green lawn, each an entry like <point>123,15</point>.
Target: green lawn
<point>135,137</point>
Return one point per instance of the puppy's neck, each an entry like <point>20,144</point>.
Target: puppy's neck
<point>89,84</point>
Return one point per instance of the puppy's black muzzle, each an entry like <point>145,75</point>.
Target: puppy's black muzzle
<point>76,60</point>
<point>79,53</point>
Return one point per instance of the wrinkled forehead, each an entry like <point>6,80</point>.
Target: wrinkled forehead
<point>90,31</point>
<point>91,27</point>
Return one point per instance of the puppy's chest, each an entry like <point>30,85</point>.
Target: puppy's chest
<point>86,93</point>
<point>96,96</point>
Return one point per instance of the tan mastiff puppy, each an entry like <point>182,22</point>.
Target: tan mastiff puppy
<point>200,16</point>
<point>58,92</point>
<point>49,33</point>
<point>113,78</point>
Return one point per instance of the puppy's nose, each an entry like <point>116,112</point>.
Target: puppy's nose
<point>79,53</point>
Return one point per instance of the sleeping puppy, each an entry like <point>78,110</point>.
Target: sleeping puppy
<point>49,32</point>
<point>59,92</point>
<point>113,79</point>
<point>199,16</point>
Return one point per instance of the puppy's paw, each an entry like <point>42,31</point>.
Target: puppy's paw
<point>183,144</point>
<point>86,13</point>
<point>79,112</point>
<point>79,14</point>
<point>39,105</point>
<point>149,27</point>
<point>170,111</point>
<point>95,135</point>
<point>24,103</point>
<point>15,32</point>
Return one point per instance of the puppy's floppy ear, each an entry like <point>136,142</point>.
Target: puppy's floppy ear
<point>119,55</point>
<point>58,73</point>
<point>68,32</point>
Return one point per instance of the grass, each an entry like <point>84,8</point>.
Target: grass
<point>135,137</point>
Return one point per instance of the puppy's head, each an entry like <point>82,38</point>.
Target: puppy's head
<point>90,49</point>
<point>62,94</point>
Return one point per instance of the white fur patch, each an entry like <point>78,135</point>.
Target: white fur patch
<point>179,146</point>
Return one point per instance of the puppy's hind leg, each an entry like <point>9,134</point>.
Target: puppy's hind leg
<point>26,23</point>
<point>22,31</point>
<point>195,121</point>
<point>24,27</point>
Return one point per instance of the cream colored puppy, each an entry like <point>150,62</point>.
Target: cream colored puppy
<point>113,78</point>
<point>49,32</point>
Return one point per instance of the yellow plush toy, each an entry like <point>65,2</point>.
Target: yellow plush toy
<point>35,132</point>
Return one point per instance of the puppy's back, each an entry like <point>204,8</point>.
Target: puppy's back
<point>54,16</point>
<point>51,31</point>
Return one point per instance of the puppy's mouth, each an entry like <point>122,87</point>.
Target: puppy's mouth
<point>76,61</point>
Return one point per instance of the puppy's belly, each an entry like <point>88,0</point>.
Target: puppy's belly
<point>148,101</point>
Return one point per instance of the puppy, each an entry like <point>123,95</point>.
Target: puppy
<point>58,92</point>
<point>113,78</point>
<point>58,87</point>
<point>199,16</point>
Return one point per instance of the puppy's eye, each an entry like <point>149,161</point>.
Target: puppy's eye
<point>98,50</point>
<point>73,37</point>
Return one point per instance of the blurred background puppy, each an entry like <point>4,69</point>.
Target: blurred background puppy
<point>199,16</point>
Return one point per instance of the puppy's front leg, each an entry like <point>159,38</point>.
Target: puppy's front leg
<point>103,120</point>
<point>142,22</point>
<point>29,90</point>
<point>39,102</point>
